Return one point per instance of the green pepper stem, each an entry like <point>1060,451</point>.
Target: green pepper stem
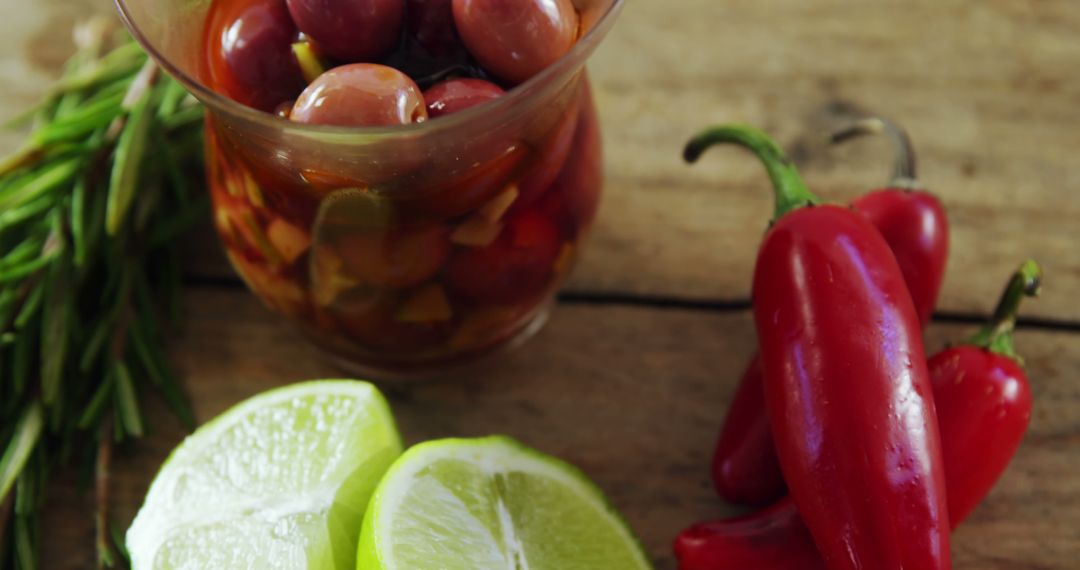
<point>788,187</point>
<point>904,161</point>
<point>997,335</point>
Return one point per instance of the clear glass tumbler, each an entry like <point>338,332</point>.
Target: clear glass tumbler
<point>400,250</point>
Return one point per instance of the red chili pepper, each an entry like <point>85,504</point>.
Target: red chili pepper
<point>745,469</point>
<point>983,403</point>
<point>911,220</point>
<point>772,539</point>
<point>984,400</point>
<point>846,383</point>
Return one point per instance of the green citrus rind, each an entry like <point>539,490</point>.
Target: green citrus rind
<point>279,481</point>
<point>539,513</point>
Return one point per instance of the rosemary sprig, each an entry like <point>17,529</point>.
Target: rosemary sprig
<point>88,222</point>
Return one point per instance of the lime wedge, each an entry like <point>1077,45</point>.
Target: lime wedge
<point>280,481</point>
<point>493,504</point>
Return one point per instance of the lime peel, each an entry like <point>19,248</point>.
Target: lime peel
<point>279,481</point>
<point>526,529</point>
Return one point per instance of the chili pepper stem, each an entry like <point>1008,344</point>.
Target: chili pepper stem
<point>790,191</point>
<point>904,161</point>
<point>997,335</point>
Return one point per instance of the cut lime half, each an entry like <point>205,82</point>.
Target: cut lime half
<point>280,481</point>
<point>491,504</point>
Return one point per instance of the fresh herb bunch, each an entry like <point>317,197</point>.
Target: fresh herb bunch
<point>90,211</point>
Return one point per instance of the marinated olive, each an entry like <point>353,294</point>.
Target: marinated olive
<point>396,258</point>
<point>515,268</point>
<point>404,247</point>
<point>456,95</point>
<point>431,23</point>
<point>360,94</point>
<point>552,155</point>
<point>582,176</point>
<point>249,52</point>
<point>378,327</point>
<point>461,193</point>
<point>516,39</point>
<point>350,30</point>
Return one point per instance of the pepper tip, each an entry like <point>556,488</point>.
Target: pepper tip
<point>1032,275</point>
<point>692,151</point>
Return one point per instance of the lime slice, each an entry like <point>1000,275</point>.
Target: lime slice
<point>494,504</point>
<point>280,481</point>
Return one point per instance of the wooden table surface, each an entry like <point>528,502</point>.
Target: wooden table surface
<point>631,376</point>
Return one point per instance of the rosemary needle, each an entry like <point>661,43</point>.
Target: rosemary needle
<point>88,276</point>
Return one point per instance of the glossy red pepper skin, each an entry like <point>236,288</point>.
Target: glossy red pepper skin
<point>983,402</point>
<point>913,223</point>
<point>745,469</point>
<point>848,392</point>
<point>846,383</point>
<point>772,539</point>
<point>988,400</point>
<point>911,220</point>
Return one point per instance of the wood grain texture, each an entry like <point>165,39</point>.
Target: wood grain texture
<point>632,395</point>
<point>988,89</point>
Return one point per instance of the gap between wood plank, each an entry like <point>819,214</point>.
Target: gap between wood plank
<point>720,306</point>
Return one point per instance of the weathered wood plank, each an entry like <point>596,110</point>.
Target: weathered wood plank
<point>631,395</point>
<point>990,117</point>
<point>988,90</point>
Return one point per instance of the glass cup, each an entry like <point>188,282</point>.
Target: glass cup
<point>400,250</point>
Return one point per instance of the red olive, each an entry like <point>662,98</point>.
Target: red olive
<point>550,157</point>
<point>249,52</point>
<point>578,185</point>
<point>377,328</point>
<point>456,194</point>
<point>360,94</point>
<point>350,30</point>
<point>396,258</point>
<point>517,267</point>
<point>456,95</point>
<point>431,22</point>
<point>516,39</point>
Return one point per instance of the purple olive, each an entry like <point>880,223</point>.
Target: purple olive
<point>455,95</point>
<point>361,94</point>
<point>431,22</point>
<point>516,39</point>
<point>249,52</point>
<point>350,30</point>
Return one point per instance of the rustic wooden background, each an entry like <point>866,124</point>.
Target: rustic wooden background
<point>632,374</point>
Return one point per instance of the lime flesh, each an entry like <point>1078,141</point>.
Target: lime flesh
<point>281,481</point>
<point>491,503</point>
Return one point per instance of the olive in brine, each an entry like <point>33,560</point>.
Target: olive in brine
<point>350,30</point>
<point>249,52</point>
<point>358,95</point>
<point>516,39</point>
